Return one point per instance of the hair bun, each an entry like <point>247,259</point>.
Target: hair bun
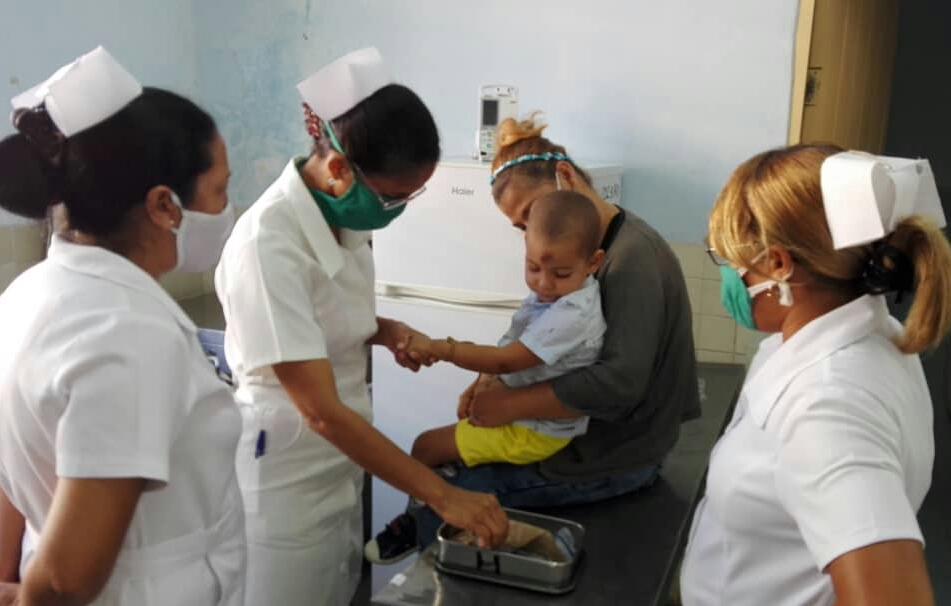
<point>511,131</point>
<point>40,130</point>
<point>28,184</point>
<point>888,270</point>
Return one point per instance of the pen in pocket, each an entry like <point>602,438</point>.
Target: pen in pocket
<point>260,445</point>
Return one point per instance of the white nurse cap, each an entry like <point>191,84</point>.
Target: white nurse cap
<point>83,93</point>
<point>866,196</point>
<point>333,90</point>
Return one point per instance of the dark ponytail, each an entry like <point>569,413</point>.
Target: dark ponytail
<point>389,133</point>
<point>101,173</point>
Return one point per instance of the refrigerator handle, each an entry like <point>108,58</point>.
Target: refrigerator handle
<point>446,296</point>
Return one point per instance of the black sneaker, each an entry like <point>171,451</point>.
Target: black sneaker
<point>396,542</point>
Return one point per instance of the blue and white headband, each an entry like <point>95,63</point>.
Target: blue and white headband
<point>547,156</point>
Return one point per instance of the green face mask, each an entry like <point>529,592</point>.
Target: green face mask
<point>359,208</point>
<point>735,297</point>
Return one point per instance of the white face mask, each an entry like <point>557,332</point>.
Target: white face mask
<point>200,237</point>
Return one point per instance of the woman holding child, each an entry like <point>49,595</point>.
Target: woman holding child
<point>634,395</point>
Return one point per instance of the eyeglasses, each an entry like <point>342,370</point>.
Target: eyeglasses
<point>387,202</point>
<point>717,259</point>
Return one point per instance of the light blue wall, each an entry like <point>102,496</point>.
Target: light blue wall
<point>678,92</point>
<point>154,40</point>
<point>252,53</point>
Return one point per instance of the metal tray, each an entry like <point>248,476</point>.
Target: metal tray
<point>511,569</point>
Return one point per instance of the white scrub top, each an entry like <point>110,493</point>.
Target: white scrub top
<point>102,376</point>
<point>830,449</point>
<point>291,292</point>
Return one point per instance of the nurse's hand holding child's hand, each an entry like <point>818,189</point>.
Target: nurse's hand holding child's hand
<point>421,347</point>
<point>480,402</point>
<point>397,337</point>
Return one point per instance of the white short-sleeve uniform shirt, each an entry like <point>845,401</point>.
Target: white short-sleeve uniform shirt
<point>830,449</point>
<point>102,376</point>
<point>291,292</point>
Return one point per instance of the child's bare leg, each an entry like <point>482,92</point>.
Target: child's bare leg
<point>436,447</point>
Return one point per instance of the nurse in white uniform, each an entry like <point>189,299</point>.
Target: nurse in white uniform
<point>117,440</point>
<point>296,285</point>
<point>813,488</point>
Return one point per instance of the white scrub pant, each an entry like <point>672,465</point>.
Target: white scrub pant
<point>303,510</point>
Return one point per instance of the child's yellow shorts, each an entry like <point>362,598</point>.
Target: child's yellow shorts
<point>504,444</point>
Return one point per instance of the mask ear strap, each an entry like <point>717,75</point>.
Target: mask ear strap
<point>785,294</point>
<point>785,290</point>
<point>760,288</point>
<point>333,138</point>
<point>181,207</point>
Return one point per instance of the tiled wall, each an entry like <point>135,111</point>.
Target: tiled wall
<point>717,337</point>
<point>22,246</point>
<point>186,286</point>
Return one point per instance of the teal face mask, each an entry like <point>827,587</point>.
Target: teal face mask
<point>738,299</point>
<point>359,208</point>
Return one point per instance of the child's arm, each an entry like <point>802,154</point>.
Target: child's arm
<point>480,358</point>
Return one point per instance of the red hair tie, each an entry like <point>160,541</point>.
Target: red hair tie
<point>313,122</point>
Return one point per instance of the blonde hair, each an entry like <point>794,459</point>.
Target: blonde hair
<point>514,138</point>
<point>775,198</point>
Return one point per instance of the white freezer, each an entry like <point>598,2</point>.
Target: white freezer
<point>453,238</point>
